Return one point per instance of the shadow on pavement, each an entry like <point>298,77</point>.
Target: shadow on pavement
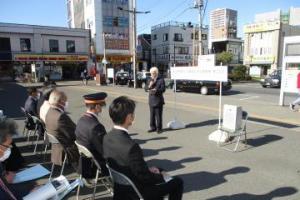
<point>204,180</point>
<point>152,152</point>
<point>263,140</point>
<point>280,124</point>
<point>170,165</point>
<point>204,123</point>
<point>279,192</point>
<point>139,141</point>
<point>12,97</point>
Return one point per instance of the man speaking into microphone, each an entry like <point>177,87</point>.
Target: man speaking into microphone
<point>156,100</point>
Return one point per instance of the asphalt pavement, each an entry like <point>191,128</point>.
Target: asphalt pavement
<point>267,168</point>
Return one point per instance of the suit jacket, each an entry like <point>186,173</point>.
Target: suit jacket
<point>156,97</point>
<point>126,156</point>
<point>60,125</point>
<point>31,106</point>
<point>89,133</point>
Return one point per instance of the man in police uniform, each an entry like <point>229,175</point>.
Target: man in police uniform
<point>89,133</point>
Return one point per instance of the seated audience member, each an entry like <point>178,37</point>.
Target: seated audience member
<point>31,102</point>
<point>43,102</point>
<point>90,132</point>
<point>60,125</point>
<point>9,191</point>
<point>126,156</point>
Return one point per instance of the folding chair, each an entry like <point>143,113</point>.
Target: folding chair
<point>53,140</point>
<point>83,151</point>
<point>38,123</point>
<point>29,119</point>
<point>119,178</point>
<point>235,134</point>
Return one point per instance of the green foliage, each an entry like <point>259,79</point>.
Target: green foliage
<point>225,57</point>
<point>240,73</point>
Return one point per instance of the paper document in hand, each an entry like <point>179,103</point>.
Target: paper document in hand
<point>31,173</point>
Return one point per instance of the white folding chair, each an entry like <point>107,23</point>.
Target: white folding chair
<point>53,140</point>
<point>83,151</point>
<point>235,135</point>
<point>119,178</point>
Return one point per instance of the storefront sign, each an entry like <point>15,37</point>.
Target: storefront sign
<point>216,73</point>
<point>69,58</point>
<point>260,27</point>
<point>115,58</point>
<point>263,59</point>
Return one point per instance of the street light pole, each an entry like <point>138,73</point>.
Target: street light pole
<point>199,5</point>
<point>134,12</point>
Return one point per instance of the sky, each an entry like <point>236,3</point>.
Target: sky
<point>54,12</point>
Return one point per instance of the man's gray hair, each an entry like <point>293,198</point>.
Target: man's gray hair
<point>154,69</point>
<point>8,127</point>
<point>56,97</point>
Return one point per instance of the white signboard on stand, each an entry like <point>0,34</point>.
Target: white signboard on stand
<point>110,72</point>
<point>217,73</point>
<point>207,60</point>
<point>289,81</point>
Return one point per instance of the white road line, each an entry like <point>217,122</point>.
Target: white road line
<point>251,97</point>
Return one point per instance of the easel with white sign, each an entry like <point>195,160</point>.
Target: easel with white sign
<point>216,73</point>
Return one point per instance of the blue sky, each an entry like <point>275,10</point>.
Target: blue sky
<point>54,12</point>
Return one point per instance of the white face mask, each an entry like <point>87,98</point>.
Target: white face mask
<point>6,155</point>
<point>66,105</point>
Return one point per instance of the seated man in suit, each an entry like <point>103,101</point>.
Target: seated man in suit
<point>89,133</point>
<point>60,125</point>
<point>126,156</point>
<point>31,102</point>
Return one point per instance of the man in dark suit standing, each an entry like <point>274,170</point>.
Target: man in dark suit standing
<point>31,102</point>
<point>90,132</point>
<point>156,100</point>
<point>60,125</point>
<point>126,156</point>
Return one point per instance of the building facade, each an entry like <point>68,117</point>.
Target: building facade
<point>144,52</point>
<point>45,50</point>
<point>109,22</point>
<point>176,43</point>
<point>223,34</point>
<point>264,39</point>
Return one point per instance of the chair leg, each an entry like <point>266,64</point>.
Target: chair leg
<point>63,166</point>
<point>237,143</point>
<point>78,189</point>
<point>52,169</point>
<point>245,138</point>
<point>96,180</point>
<point>28,135</point>
<point>36,143</point>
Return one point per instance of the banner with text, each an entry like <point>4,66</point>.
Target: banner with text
<point>216,73</point>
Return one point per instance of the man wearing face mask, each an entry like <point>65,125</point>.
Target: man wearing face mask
<point>60,125</point>
<point>7,190</point>
<point>90,132</point>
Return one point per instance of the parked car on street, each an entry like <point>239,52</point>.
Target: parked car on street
<point>272,80</point>
<point>203,87</point>
<point>143,79</point>
<point>122,78</point>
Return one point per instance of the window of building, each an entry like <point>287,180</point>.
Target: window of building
<point>25,44</point>
<point>5,44</point>
<point>154,37</point>
<point>166,37</point>
<point>204,36</point>
<point>53,46</point>
<point>178,37</point>
<point>166,50</point>
<point>70,46</point>
<point>183,50</point>
<point>293,49</point>
<point>261,51</point>
<point>194,36</point>
<point>116,21</point>
<point>154,52</point>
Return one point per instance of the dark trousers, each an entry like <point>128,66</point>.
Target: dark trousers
<point>156,117</point>
<point>173,188</point>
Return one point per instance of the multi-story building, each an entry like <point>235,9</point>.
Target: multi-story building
<point>264,39</point>
<point>144,52</point>
<point>223,34</point>
<point>109,22</point>
<point>176,43</point>
<point>48,50</point>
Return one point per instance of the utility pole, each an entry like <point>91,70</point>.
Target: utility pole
<point>134,12</point>
<point>198,4</point>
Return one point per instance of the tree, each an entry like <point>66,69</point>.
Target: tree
<point>225,58</point>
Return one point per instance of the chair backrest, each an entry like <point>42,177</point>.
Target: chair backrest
<point>52,139</point>
<point>83,150</point>
<point>245,119</point>
<point>122,179</point>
